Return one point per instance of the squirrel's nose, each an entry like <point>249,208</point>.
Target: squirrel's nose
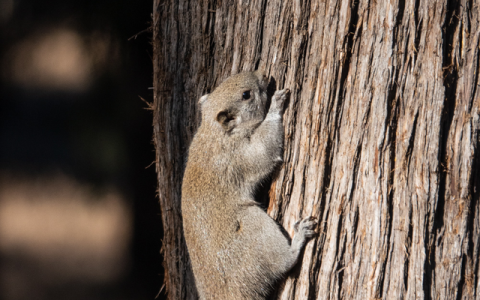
<point>261,74</point>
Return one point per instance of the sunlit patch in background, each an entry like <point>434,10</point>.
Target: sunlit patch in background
<point>58,59</point>
<point>55,231</point>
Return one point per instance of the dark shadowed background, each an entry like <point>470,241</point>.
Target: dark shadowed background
<point>78,214</point>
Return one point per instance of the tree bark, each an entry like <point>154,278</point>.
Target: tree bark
<point>382,135</point>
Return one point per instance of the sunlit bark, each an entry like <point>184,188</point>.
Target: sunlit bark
<point>382,135</point>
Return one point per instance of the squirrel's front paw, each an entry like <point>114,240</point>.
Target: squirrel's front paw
<point>278,99</point>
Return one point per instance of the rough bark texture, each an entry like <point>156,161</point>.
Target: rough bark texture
<point>382,135</point>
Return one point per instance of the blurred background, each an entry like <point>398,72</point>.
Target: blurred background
<point>78,214</point>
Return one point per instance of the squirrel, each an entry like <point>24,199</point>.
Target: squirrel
<point>236,250</point>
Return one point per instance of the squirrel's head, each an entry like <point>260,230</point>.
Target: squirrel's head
<point>239,99</point>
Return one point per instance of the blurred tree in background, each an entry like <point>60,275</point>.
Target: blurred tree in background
<point>75,145</point>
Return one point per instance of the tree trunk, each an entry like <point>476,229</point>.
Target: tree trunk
<point>382,135</point>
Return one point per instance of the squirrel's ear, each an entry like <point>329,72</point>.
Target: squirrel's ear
<point>203,99</point>
<point>225,119</point>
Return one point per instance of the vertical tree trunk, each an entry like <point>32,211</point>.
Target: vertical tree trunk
<point>382,135</point>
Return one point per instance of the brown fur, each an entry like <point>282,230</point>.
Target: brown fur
<point>237,251</point>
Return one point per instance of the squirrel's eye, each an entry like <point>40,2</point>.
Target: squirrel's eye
<point>246,95</point>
